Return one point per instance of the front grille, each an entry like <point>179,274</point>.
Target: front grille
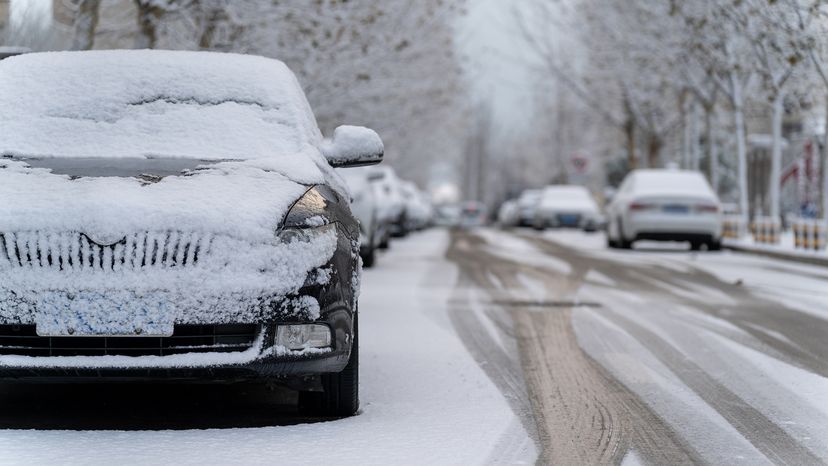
<point>78,252</point>
<point>23,340</point>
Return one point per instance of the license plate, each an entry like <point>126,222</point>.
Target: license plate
<point>676,209</point>
<point>569,219</point>
<point>102,314</point>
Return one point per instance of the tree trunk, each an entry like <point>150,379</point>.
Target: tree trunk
<point>712,154</point>
<point>629,131</point>
<point>741,149</point>
<point>776,155</point>
<point>148,16</point>
<point>85,23</point>
<point>686,137</point>
<point>695,154</point>
<point>654,145</point>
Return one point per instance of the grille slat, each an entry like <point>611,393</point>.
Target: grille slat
<point>22,340</point>
<point>71,251</point>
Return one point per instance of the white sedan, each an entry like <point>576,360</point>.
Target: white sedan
<point>567,206</point>
<point>665,205</point>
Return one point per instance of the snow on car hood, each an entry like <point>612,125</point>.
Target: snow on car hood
<point>246,200</point>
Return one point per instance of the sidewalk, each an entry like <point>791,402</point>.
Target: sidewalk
<point>784,250</point>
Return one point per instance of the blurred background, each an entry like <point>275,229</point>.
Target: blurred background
<point>479,100</point>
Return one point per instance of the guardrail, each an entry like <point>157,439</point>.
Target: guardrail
<point>765,230</point>
<point>809,234</point>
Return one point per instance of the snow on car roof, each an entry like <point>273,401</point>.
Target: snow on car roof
<point>653,182</point>
<point>568,196</point>
<point>150,103</point>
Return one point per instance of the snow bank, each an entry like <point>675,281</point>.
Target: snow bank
<point>142,103</point>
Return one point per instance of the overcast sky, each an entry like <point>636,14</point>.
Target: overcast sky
<point>496,59</point>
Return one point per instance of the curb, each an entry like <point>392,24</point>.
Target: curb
<point>802,259</point>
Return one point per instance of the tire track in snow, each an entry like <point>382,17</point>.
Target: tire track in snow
<point>774,327</point>
<point>583,415</point>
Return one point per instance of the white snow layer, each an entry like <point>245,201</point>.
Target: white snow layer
<point>146,103</point>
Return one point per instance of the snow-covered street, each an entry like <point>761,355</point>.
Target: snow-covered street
<point>505,347</point>
<point>424,398</point>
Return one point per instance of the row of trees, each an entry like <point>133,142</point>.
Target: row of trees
<point>669,75</point>
<point>390,65</point>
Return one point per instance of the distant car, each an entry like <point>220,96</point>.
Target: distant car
<point>527,204</point>
<point>508,215</point>
<point>447,215</point>
<point>665,205</point>
<point>364,207</point>
<point>10,51</point>
<point>176,215</point>
<point>473,214</point>
<point>567,206</point>
<point>418,208</point>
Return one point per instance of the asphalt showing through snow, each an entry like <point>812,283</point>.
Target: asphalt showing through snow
<point>618,351</point>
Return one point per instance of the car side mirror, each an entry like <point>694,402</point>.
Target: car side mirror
<point>353,146</point>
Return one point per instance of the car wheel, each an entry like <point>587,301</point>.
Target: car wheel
<point>385,242</point>
<point>695,246</point>
<point>714,246</point>
<point>369,257</point>
<point>623,243</point>
<point>340,391</point>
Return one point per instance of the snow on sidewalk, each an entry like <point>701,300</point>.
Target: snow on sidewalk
<point>424,399</point>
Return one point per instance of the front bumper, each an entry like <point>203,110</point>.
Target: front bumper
<point>261,361</point>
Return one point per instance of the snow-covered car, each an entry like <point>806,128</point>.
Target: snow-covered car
<point>10,51</point>
<point>527,203</point>
<point>508,215</point>
<point>390,200</point>
<point>567,206</point>
<point>473,214</point>
<point>665,205</point>
<point>365,208</point>
<point>447,215</point>
<point>418,209</point>
<point>176,215</point>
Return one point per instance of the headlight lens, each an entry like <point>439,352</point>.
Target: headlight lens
<point>291,235</point>
<point>302,336</point>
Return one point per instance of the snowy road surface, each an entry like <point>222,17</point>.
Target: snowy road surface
<point>496,347</point>
<point>659,355</point>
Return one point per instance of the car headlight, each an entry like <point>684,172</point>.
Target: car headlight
<point>307,219</point>
<point>290,235</point>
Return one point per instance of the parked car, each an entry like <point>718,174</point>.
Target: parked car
<point>527,204</point>
<point>418,209</point>
<point>665,205</point>
<point>508,215</point>
<point>10,51</point>
<point>567,206</point>
<point>175,215</point>
<point>447,215</point>
<point>390,198</point>
<point>473,214</point>
<point>365,208</point>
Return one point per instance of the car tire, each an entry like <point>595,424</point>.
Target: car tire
<point>623,243</point>
<point>385,242</point>
<point>695,246</point>
<point>714,246</point>
<point>340,391</point>
<point>369,257</point>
